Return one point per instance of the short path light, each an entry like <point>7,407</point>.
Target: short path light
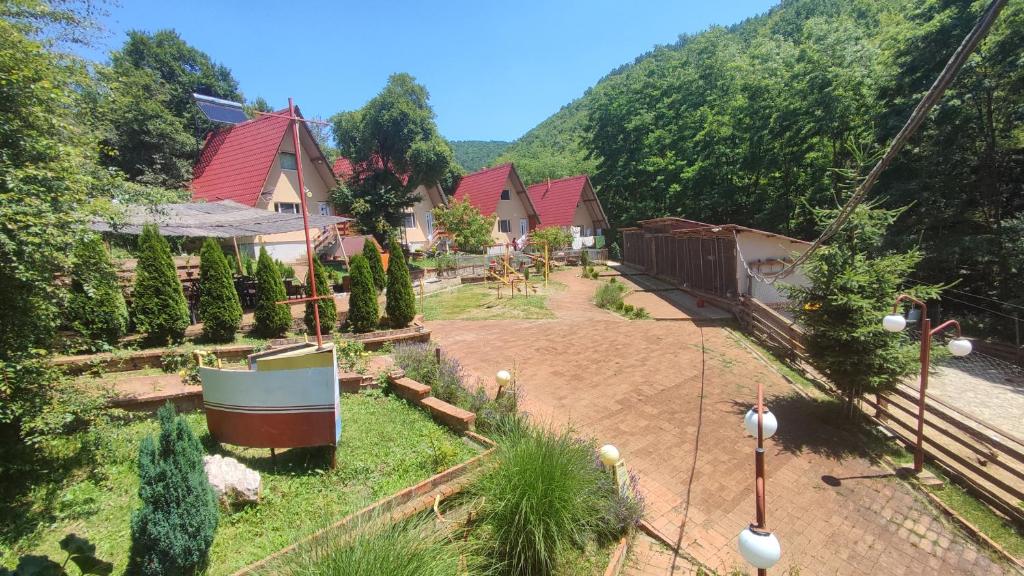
<point>757,544</point>
<point>609,455</point>
<point>503,378</point>
<point>958,346</point>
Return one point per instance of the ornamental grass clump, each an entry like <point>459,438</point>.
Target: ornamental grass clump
<point>159,309</point>
<point>610,294</point>
<point>272,319</point>
<point>410,548</point>
<point>219,308</point>
<point>546,493</point>
<point>173,529</point>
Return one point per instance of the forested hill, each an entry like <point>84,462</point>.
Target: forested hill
<point>473,155</point>
<point>759,123</point>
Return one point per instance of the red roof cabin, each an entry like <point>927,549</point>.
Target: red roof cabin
<point>571,203</point>
<point>498,192</point>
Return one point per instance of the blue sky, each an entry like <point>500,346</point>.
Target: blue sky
<point>494,69</point>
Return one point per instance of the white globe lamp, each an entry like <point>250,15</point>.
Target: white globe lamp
<point>769,423</point>
<point>894,322</point>
<point>959,346</point>
<point>759,548</point>
<point>609,455</point>
<point>503,378</point>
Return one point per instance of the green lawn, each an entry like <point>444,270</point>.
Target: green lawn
<point>87,483</point>
<point>480,302</point>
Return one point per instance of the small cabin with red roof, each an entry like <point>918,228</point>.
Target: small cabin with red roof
<point>254,163</point>
<point>498,192</point>
<point>571,203</point>
<point>417,228</point>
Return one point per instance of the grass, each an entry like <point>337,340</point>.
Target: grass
<point>87,483</point>
<point>480,302</point>
<point>980,515</point>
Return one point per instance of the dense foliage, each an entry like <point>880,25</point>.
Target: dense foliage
<point>473,155</point>
<point>219,308</point>
<point>749,125</point>
<point>556,237</point>
<point>272,319</point>
<point>96,306</point>
<point>173,528</point>
<point>363,310</point>
<point>394,147</point>
<point>159,309</point>
<point>401,302</point>
<point>327,309</point>
<point>376,264</point>
<point>853,281</point>
<point>469,229</point>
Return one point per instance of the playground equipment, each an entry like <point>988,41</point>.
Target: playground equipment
<point>504,273</point>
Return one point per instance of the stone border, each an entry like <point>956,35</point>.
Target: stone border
<point>419,394</point>
<point>618,559</point>
<point>398,506</point>
<point>377,340</point>
<point>139,359</point>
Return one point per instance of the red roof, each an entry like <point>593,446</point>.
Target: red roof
<point>236,160</point>
<point>556,200</point>
<point>343,168</point>
<point>483,188</point>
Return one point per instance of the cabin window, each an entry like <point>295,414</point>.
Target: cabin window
<point>504,226</point>
<point>506,195</point>
<point>325,208</point>
<point>287,161</point>
<point>409,220</point>
<point>288,207</point>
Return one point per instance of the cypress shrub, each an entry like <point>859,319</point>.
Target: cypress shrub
<point>96,306</point>
<point>376,265</point>
<point>158,304</point>
<point>401,303</point>
<point>219,308</point>
<point>173,528</point>
<point>363,311</point>
<point>328,311</point>
<point>272,319</point>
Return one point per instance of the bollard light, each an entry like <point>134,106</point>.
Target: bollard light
<point>768,426</point>
<point>894,322</point>
<point>959,346</point>
<point>609,455</point>
<point>503,378</point>
<point>759,547</point>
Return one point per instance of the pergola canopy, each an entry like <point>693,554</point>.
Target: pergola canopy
<point>222,219</point>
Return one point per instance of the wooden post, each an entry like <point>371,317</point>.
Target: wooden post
<point>238,256</point>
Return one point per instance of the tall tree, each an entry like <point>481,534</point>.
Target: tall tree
<point>152,127</point>
<point>394,147</point>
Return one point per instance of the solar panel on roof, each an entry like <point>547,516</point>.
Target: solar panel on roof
<point>223,111</point>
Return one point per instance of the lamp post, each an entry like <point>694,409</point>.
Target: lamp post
<point>958,346</point>
<point>757,544</point>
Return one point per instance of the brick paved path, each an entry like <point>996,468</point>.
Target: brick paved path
<point>637,384</point>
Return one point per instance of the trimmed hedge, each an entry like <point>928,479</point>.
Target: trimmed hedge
<point>96,306</point>
<point>327,309</point>
<point>401,303</point>
<point>363,311</point>
<point>272,319</point>
<point>376,265</point>
<point>159,309</point>
<point>219,308</point>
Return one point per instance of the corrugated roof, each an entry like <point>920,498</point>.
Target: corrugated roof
<point>236,160</point>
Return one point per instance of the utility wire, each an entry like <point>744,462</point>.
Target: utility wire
<point>920,113</point>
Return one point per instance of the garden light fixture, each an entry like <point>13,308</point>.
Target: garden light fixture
<point>769,424</point>
<point>609,455</point>
<point>503,378</point>
<point>757,544</point>
<point>759,547</point>
<point>958,346</point>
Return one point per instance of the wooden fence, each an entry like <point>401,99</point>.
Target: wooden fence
<point>983,458</point>
<point>703,264</point>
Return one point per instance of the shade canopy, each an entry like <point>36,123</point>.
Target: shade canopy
<point>222,219</point>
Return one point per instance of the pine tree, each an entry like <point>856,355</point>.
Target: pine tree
<point>272,319</point>
<point>96,306</point>
<point>401,303</point>
<point>363,311</point>
<point>327,309</point>
<point>173,528</point>
<point>159,309</point>
<point>376,266</point>
<point>219,308</point>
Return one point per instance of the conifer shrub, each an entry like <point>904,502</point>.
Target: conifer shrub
<point>96,306</point>
<point>327,309</point>
<point>376,265</point>
<point>272,319</point>
<point>363,312</point>
<point>401,302</point>
<point>159,309</point>
<point>173,528</point>
<point>219,308</point>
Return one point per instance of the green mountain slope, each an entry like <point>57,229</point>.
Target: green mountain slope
<point>554,148</point>
<point>473,155</point>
